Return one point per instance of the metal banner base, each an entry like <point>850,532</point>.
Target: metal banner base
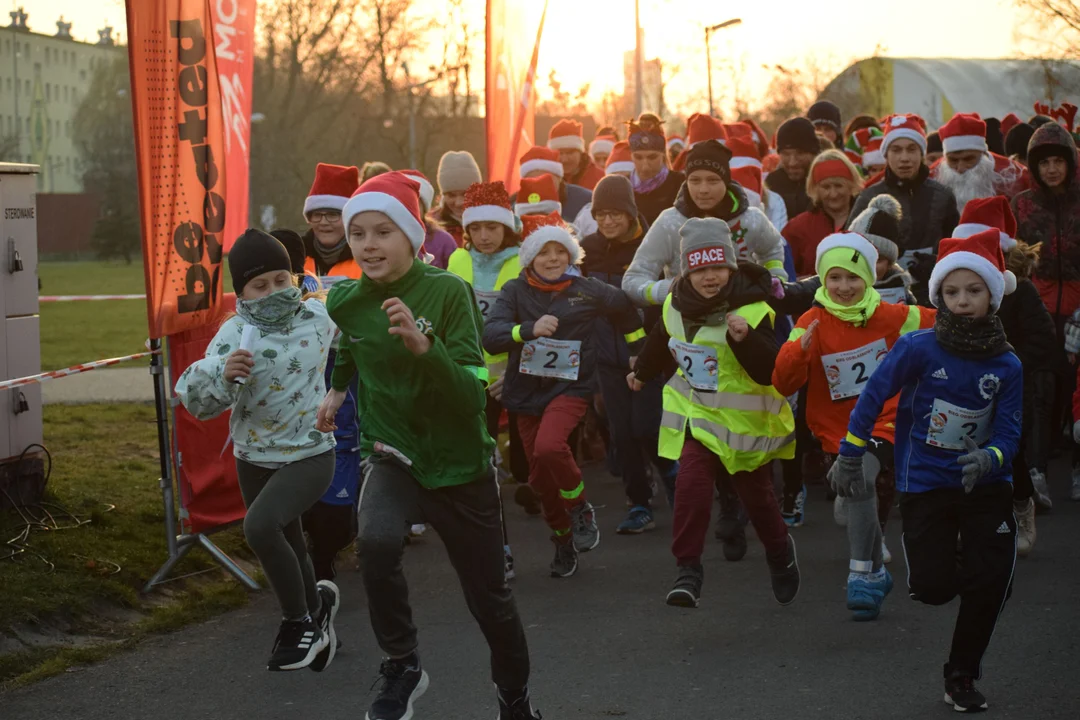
<point>184,544</point>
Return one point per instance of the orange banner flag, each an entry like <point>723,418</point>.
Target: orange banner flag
<point>180,151</point>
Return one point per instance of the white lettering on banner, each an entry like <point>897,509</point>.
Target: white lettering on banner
<point>710,256</point>
<point>698,364</point>
<point>847,372</point>
<point>950,424</point>
<point>558,359</point>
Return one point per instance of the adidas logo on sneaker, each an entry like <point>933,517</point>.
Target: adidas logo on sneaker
<point>1004,528</point>
<point>940,374</point>
<point>309,638</point>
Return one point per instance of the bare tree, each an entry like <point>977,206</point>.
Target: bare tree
<point>1052,27</point>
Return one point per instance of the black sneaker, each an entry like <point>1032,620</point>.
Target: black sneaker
<point>785,575</point>
<point>566,557</point>
<point>687,589</point>
<point>735,546</point>
<point>298,643</point>
<point>527,498</point>
<point>960,692</point>
<point>403,681</point>
<point>331,601</point>
<point>520,709</point>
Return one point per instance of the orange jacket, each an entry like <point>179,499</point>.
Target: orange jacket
<point>795,367</point>
<point>345,268</point>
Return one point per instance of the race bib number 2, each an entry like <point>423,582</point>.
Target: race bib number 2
<point>697,363</point>
<point>558,359</point>
<point>950,424</point>
<point>485,300</point>
<point>848,372</point>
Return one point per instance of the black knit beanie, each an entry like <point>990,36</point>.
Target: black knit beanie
<point>1037,121</point>
<point>1016,142</point>
<point>797,134</point>
<point>826,113</point>
<point>295,245</point>
<point>933,143</point>
<point>253,254</point>
<point>614,192</point>
<point>995,141</point>
<point>712,156</point>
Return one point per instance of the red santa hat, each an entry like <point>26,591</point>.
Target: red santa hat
<point>873,155</point>
<point>488,202</point>
<point>602,144</point>
<point>757,135</point>
<point>539,230</point>
<point>981,254</point>
<point>427,190</point>
<point>675,141</point>
<point>620,159</point>
<point>992,213</point>
<point>541,158</point>
<point>700,128</point>
<point>395,195</point>
<point>538,196</point>
<point>964,131</point>
<point>906,127</point>
<point>744,152</point>
<point>739,130</point>
<point>748,176</point>
<point>567,135</point>
<point>1009,122</point>
<point>332,187</point>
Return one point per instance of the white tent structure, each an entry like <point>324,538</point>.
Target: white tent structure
<point>938,88</point>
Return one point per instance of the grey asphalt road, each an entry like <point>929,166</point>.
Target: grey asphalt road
<point>604,645</point>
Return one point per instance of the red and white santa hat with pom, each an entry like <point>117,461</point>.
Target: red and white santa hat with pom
<point>541,158</point>
<point>539,230</point>
<point>981,254</point>
<point>675,141</point>
<point>427,190</point>
<point>395,195</point>
<point>992,213</point>
<point>906,127</point>
<point>567,135</point>
<point>332,187</point>
<point>619,160</point>
<point>964,131</point>
<point>602,144</point>
<point>488,202</point>
<point>538,196</point>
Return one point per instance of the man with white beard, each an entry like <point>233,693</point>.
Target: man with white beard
<point>969,169</point>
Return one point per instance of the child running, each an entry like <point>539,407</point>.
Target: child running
<point>835,348</point>
<point>284,464</point>
<point>545,319</point>
<point>412,333</point>
<point>957,431</point>
<point>722,417</point>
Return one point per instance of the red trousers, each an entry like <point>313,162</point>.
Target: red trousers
<point>553,474</point>
<point>699,469</point>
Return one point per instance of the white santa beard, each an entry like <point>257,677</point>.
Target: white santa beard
<point>977,182</point>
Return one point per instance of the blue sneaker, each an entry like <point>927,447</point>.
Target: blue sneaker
<point>637,521</point>
<point>793,507</point>
<point>866,593</point>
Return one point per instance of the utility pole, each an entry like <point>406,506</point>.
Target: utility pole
<point>639,63</point>
<point>708,54</point>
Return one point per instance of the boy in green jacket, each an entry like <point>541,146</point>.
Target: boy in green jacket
<point>413,334</point>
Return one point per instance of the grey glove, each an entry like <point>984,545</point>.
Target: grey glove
<point>977,464</point>
<point>1076,432</point>
<point>846,476</point>
<point>1072,334</point>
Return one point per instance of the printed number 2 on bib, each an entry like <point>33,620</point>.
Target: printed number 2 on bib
<point>950,424</point>
<point>848,372</point>
<point>698,364</point>
<point>558,359</point>
<point>485,300</point>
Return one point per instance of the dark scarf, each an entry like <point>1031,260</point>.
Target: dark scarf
<point>733,204</point>
<point>543,285</point>
<point>970,338</point>
<point>698,309</point>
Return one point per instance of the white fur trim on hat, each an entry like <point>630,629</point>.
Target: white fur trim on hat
<point>488,213</point>
<point>741,162</point>
<point>601,145</point>
<point>675,141</point>
<point>427,190</point>
<point>966,230</point>
<point>536,240</point>
<point>618,167</point>
<point>544,207</point>
<point>873,158</point>
<point>390,206</point>
<point>851,240</point>
<point>905,134</point>
<point>567,142</point>
<point>548,166</point>
<point>997,282</point>
<point>959,143</point>
<point>323,202</point>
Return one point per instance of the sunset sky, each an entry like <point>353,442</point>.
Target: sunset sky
<point>584,41</point>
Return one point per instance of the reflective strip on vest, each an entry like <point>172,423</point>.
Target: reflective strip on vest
<point>913,320</point>
<point>634,336</point>
<point>752,402</point>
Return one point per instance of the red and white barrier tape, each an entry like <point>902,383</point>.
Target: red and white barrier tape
<point>78,298</point>
<point>73,370</point>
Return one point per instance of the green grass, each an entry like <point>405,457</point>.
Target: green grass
<point>105,472</point>
<point>78,332</point>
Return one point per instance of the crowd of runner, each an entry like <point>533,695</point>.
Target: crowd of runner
<point>886,311</point>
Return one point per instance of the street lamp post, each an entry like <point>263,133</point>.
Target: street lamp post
<point>412,104</point>
<point>708,54</point>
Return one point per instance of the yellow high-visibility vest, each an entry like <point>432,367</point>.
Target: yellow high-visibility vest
<point>745,424</point>
<point>461,264</point>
